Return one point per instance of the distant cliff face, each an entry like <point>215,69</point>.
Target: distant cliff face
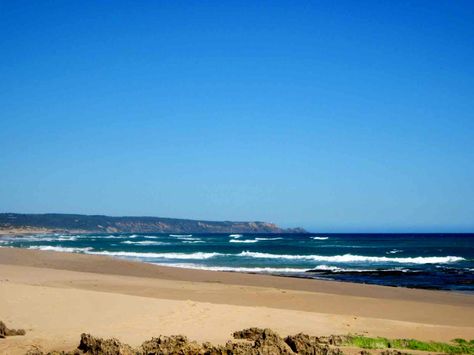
<point>74,223</point>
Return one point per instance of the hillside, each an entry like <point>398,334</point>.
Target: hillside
<point>76,223</point>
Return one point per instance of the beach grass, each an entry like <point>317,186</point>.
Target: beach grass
<point>457,346</point>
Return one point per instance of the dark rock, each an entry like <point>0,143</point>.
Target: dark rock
<point>5,332</point>
<point>229,349</point>
<point>336,340</point>
<point>266,341</point>
<point>176,344</point>
<point>98,346</point>
<point>258,342</point>
<point>248,334</point>
<point>305,344</point>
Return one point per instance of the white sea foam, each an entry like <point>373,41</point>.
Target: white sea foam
<point>262,238</point>
<point>188,238</point>
<point>190,256</point>
<point>235,235</point>
<point>72,238</point>
<point>59,237</point>
<point>193,241</point>
<point>319,238</point>
<point>42,238</point>
<point>243,241</point>
<point>114,236</point>
<point>327,268</point>
<point>181,235</point>
<point>145,242</point>
<point>336,269</point>
<point>151,237</point>
<point>236,269</point>
<point>60,249</point>
<point>347,258</point>
<point>394,251</point>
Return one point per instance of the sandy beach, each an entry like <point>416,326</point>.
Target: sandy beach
<point>57,296</point>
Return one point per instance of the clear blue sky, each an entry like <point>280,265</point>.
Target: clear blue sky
<point>331,115</point>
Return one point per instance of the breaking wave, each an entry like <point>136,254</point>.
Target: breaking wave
<point>347,258</point>
<point>189,238</point>
<point>253,240</point>
<point>40,238</point>
<point>264,238</point>
<point>144,242</point>
<point>185,256</point>
<point>60,249</point>
<point>115,236</point>
<point>236,269</point>
<point>336,269</point>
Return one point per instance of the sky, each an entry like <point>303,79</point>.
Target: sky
<point>336,116</point>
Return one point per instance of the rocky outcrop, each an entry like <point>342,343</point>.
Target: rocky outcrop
<point>176,344</point>
<point>336,340</point>
<point>265,341</point>
<point>305,344</point>
<point>255,341</point>
<point>6,332</point>
<point>97,346</point>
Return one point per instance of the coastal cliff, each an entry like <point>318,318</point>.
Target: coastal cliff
<point>75,223</point>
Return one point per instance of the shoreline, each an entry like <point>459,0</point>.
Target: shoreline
<point>56,296</point>
<point>110,265</point>
<point>364,267</point>
<point>464,292</point>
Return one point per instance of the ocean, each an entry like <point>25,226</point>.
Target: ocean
<point>431,261</point>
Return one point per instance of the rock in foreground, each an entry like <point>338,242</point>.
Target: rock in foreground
<point>6,332</point>
<point>256,342</point>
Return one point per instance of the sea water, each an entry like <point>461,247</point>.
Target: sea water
<point>435,261</point>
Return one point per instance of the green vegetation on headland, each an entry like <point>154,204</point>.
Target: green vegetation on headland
<point>458,346</point>
<point>77,223</point>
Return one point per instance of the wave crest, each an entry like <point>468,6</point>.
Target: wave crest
<point>144,242</point>
<point>348,258</point>
<point>185,256</point>
<point>237,269</point>
<point>60,249</point>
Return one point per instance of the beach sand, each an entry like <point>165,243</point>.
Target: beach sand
<point>57,296</point>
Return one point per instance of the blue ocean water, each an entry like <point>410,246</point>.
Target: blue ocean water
<point>434,261</point>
